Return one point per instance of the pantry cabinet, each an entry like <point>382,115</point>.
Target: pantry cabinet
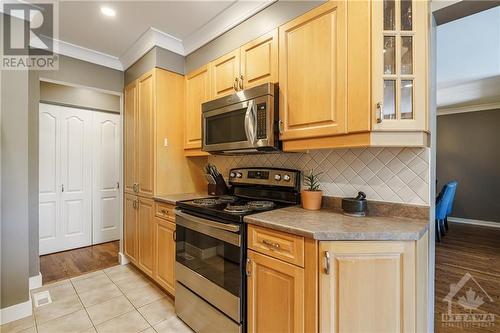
<point>130,232</point>
<point>145,235</point>
<point>252,64</point>
<point>129,138</point>
<point>145,134</point>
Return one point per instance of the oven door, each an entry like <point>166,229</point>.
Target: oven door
<point>209,261</point>
<point>238,126</point>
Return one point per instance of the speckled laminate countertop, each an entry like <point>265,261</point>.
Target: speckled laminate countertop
<point>173,198</point>
<point>327,224</point>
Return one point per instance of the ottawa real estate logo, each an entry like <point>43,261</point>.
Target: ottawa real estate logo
<point>29,38</point>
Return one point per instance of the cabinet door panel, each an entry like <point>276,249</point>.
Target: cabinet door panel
<point>129,138</point>
<point>197,92</point>
<point>259,60</point>
<point>165,254</point>
<point>146,235</point>
<point>312,73</point>
<point>347,293</point>
<point>130,227</point>
<point>224,72</point>
<point>275,295</point>
<point>145,134</point>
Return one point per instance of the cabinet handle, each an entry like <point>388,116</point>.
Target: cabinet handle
<point>241,82</point>
<point>379,113</point>
<point>174,235</point>
<point>249,268</point>
<point>62,187</point>
<point>134,187</point>
<point>163,211</point>
<point>134,204</point>
<point>271,244</point>
<point>327,262</point>
<point>235,84</point>
<point>137,203</point>
<point>280,126</point>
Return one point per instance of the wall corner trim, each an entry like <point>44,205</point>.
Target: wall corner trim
<point>35,281</point>
<point>122,259</point>
<point>15,312</point>
<point>482,223</point>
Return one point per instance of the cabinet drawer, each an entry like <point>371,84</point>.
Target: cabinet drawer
<point>276,244</point>
<point>164,210</point>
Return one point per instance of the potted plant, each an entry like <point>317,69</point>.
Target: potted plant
<point>311,195</point>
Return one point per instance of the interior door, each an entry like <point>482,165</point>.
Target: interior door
<point>76,175</point>
<point>106,176</point>
<point>49,183</point>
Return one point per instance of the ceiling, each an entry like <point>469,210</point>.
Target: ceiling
<point>117,42</point>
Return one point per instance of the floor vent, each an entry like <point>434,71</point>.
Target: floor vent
<point>42,298</point>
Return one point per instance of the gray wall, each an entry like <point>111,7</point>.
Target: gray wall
<point>271,17</point>
<point>61,94</point>
<point>468,152</point>
<point>14,186</point>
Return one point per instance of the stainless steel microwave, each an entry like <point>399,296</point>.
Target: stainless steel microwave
<point>244,122</point>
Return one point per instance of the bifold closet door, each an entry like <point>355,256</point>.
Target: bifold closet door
<point>65,173</point>
<point>106,193</point>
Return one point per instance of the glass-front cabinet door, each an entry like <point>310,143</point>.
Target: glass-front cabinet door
<point>399,64</point>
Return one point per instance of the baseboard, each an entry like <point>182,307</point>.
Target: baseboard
<point>15,312</point>
<point>122,259</point>
<point>474,222</point>
<point>35,281</point>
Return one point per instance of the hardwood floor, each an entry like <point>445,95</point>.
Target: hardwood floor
<point>68,264</point>
<point>474,250</point>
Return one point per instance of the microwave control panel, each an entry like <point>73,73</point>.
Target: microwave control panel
<point>261,121</point>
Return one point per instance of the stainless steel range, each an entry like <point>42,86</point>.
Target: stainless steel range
<point>211,247</point>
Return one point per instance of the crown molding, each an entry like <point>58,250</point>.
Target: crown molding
<point>82,53</point>
<point>468,108</point>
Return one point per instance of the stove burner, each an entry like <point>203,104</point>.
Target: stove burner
<point>237,209</point>
<point>205,202</point>
<point>227,199</point>
<point>260,205</point>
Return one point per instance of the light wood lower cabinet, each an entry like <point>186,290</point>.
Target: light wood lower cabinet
<point>145,234</point>
<point>165,254</point>
<point>130,227</point>
<point>275,295</point>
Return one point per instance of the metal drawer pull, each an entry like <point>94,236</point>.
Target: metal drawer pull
<point>248,268</point>
<point>379,113</point>
<point>235,84</point>
<point>327,262</point>
<point>271,244</point>
<point>241,82</point>
<point>163,211</point>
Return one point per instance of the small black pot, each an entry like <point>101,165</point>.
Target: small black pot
<point>355,206</point>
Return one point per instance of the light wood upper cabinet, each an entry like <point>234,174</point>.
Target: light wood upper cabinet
<point>259,60</point>
<point>197,92</point>
<point>399,65</point>
<point>275,295</point>
<point>145,234</point>
<point>351,302</point>
<point>225,72</point>
<point>129,138</point>
<point>130,246</point>
<point>145,134</point>
<point>165,254</point>
<point>312,75</point>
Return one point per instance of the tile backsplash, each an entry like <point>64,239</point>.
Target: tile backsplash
<point>384,174</point>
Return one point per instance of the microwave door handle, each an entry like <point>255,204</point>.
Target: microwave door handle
<point>250,126</point>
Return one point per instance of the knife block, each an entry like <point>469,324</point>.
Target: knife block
<point>219,188</point>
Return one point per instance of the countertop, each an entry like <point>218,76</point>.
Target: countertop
<point>173,198</point>
<point>327,224</point>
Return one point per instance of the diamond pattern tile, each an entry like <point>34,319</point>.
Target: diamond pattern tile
<point>384,174</point>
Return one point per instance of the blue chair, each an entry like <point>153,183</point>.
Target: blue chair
<point>453,185</point>
<point>443,204</point>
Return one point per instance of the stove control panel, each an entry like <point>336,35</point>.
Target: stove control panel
<point>271,177</point>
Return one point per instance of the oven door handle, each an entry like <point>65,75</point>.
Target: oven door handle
<point>208,223</point>
<point>250,123</point>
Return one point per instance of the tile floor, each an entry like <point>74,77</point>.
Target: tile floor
<point>117,299</point>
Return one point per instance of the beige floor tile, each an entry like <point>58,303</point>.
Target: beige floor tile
<point>100,294</point>
<point>58,308</point>
<point>50,286</point>
<point>28,330</point>
<point>58,291</point>
<point>131,322</point>
<point>18,325</point>
<point>117,273</point>
<point>132,282</point>
<point>144,295</point>
<point>172,325</point>
<point>149,330</point>
<point>87,275</point>
<point>102,312</point>
<point>158,311</point>
<point>89,330</point>
<point>75,322</point>
<point>91,283</point>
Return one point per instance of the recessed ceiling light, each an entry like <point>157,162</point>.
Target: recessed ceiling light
<point>108,11</point>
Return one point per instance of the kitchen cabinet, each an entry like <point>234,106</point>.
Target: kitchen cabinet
<point>399,65</point>
<point>129,138</point>
<point>130,233</point>
<point>197,92</point>
<point>275,295</point>
<point>165,254</point>
<point>145,134</point>
<point>312,75</point>
<point>347,291</point>
<point>145,235</point>
<point>252,64</point>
